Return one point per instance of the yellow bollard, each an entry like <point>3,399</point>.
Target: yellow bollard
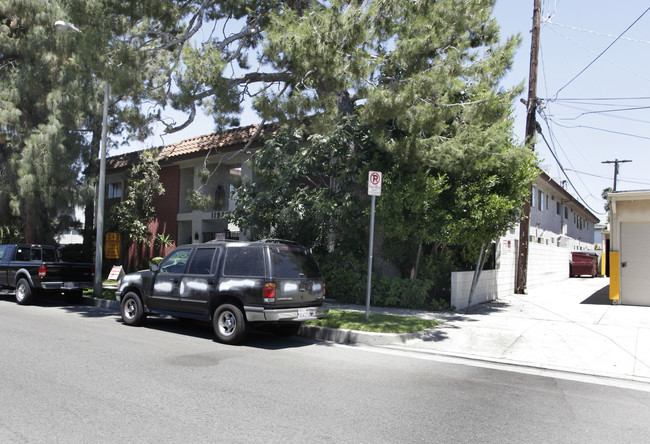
<point>615,277</point>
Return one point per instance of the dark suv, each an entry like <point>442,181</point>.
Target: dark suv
<point>232,284</point>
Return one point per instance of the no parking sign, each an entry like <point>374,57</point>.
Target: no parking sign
<point>374,189</point>
<point>374,183</point>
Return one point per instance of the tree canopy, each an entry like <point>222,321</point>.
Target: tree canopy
<point>51,99</point>
<point>408,87</point>
<point>423,79</point>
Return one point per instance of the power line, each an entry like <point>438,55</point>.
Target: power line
<point>600,176</point>
<point>572,99</point>
<point>636,108</point>
<point>600,129</point>
<point>564,171</point>
<point>556,142</point>
<point>618,65</point>
<point>603,52</point>
<point>550,22</point>
<point>602,112</point>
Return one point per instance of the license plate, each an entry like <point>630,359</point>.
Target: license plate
<point>68,285</point>
<point>306,312</point>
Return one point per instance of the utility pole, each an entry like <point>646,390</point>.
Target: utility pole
<point>531,124</point>
<point>616,162</point>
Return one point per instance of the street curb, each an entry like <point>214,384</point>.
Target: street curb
<point>106,304</point>
<point>532,368</point>
<point>342,336</point>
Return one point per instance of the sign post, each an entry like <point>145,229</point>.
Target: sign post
<point>374,189</point>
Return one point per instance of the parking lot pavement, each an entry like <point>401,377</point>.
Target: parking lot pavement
<point>566,326</point>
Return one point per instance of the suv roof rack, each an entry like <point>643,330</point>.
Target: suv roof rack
<point>214,241</point>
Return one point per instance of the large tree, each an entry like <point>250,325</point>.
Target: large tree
<point>428,73</point>
<point>39,160</point>
<point>51,97</point>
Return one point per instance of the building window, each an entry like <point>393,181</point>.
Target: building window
<point>533,200</point>
<point>547,200</point>
<point>540,201</point>
<point>558,208</point>
<point>566,213</point>
<point>115,190</point>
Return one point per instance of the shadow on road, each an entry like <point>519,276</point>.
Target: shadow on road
<point>83,308</point>
<point>257,338</point>
<point>601,297</point>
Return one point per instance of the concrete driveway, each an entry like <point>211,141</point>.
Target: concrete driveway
<point>567,326</point>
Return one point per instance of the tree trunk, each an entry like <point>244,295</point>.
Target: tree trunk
<point>417,262</point>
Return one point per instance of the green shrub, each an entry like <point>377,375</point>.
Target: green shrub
<point>147,261</point>
<point>401,293</point>
<point>345,277</point>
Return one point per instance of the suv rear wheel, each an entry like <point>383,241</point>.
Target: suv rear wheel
<point>229,324</point>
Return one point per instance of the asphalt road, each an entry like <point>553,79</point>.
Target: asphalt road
<point>77,374</point>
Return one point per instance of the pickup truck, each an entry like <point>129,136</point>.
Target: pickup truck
<point>29,270</point>
<point>234,285</point>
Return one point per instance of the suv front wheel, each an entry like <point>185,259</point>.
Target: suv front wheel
<point>229,324</point>
<point>132,310</point>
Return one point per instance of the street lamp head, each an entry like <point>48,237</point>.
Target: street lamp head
<point>63,26</point>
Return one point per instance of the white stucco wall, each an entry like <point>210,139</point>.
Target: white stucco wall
<point>546,263</point>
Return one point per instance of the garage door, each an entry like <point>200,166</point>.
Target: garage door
<point>635,254</point>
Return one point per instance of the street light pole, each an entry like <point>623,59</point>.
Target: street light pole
<point>99,219</point>
<point>63,26</point>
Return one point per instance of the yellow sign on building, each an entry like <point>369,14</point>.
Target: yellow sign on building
<point>112,250</point>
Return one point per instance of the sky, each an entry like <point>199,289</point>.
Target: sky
<point>594,82</point>
<point>594,85</point>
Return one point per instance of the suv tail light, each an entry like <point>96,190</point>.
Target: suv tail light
<point>42,271</point>
<point>269,293</point>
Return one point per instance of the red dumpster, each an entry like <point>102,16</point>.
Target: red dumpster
<point>583,263</point>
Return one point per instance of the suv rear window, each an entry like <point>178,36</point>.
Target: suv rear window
<point>244,261</point>
<point>291,262</point>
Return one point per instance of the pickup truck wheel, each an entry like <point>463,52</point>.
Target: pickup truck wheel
<point>132,310</point>
<point>229,324</point>
<point>24,293</point>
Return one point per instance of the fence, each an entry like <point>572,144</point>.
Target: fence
<point>546,263</point>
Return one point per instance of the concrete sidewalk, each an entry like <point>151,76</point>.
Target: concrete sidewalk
<point>568,326</point>
<point>565,326</point>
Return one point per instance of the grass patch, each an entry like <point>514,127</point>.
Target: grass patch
<point>378,323</point>
<point>107,293</point>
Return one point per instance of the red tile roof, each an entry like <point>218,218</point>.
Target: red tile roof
<point>226,141</point>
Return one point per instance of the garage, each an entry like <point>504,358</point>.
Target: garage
<point>635,263</point>
<point>630,247</point>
